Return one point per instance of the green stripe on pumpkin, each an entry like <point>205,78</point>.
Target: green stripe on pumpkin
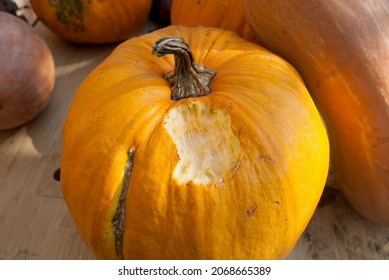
<point>71,12</point>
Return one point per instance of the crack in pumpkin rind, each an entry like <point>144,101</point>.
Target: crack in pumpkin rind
<point>118,219</point>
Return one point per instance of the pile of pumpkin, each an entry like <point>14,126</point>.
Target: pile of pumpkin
<point>212,138</point>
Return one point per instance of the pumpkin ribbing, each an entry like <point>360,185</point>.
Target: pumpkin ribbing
<point>235,174</point>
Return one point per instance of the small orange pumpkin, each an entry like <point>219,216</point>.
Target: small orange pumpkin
<point>228,15</point>
<point>214,153</point>
<point>93,21</point>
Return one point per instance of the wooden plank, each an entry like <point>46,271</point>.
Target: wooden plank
<point>34,219</point>
<point>336,231</point>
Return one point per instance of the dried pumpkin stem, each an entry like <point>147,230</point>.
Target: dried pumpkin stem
<point>187,79</point>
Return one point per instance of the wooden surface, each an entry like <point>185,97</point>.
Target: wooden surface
<point>35,222</point>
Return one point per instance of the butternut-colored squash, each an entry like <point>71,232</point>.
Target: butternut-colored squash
<point>341,49</point>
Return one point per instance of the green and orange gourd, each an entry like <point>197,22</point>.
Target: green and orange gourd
<point>93,21</point>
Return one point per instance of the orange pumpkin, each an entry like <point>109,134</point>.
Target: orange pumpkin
<point>341,49</point>
<point>218,153</point>
<point>228,15</point>
<point>93,21</point>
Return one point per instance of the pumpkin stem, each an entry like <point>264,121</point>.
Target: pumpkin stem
<point>187,79</point>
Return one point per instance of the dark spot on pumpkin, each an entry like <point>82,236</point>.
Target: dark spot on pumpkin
<point>57,174</point>
<point>236,168</point>
<point>71,12</point>
<point>267,159</point>
<point>250,211</point>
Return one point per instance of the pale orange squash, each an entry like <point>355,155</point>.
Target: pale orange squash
<point>341,49</point>
<point>220,157</point>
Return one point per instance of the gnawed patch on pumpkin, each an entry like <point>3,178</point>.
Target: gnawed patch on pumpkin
<point>206,145</point>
